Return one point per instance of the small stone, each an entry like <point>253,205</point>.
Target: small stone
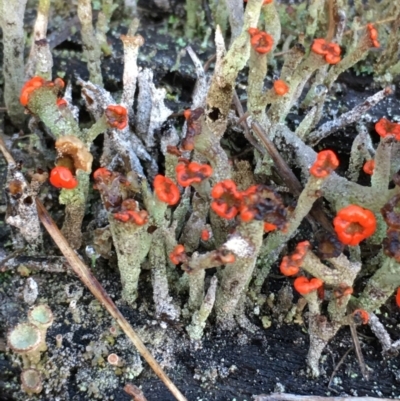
<point>30,292</point>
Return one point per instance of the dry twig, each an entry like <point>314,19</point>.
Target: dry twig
<point>359,354</point>
<point>337,368</point>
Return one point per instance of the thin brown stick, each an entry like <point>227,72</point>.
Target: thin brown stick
<point>284,170</point>
<point>242,122</point>
<point>86,276</point>
<point>357,347</point>
<point>337,368</point>
<point>331,26</point>
<point>293,397</point>
<point>210,60</point>
<point>382,21</point>
<point>287,175</point>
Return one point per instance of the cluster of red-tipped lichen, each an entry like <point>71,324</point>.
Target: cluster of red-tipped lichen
<point>189,173</point>
<point>116,116</point>
<point>325,164</point>
<point>386,128</point>
<point>258,202</point>
<point>330,51</point>
<point>373,35</point>
<point>352,224</point>
<point>38,82</point>
<point>129,212</point>
<point>290,266</point>
<point>113,187</point>
<point>260,41</point>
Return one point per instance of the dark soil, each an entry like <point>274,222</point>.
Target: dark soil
<point>227,365</point>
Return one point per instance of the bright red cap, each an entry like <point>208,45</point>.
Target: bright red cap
<point>369,166</point>
<point>280,87</point>
<point>28,88</point>
<point>331,51</point>
<point>117,116</point>
<point>353,224</point>
<point>192,173</point>
<point>291,264</point>
<point>261,41</point>
<point>226,199</point>
<point>166,190</point>
<point>326,162</point>
<point>178,255</point>
<point>61,177</point>
<point>304,286</point>
<point>385,128</point>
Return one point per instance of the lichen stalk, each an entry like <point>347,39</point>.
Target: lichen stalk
<point>321,332</point>
<point>131,51</point>
<point>272,23</point>
<point>223,82</point>
<point>22,212</point>
<point>132,244</point>
<point>75,206</point>
<point>381,175</point>
<point>196,222</point>
<point>361,150</point>
<point>380,286</point>
<point>245,244</point>
<point>193,9</point>
<point>314,14</point>
<point>256,104</point>
<point>199,318</point>
<point>90,43</point>
<point>12,24</point>
<point>102,26</point>
<point>43,104</point>
<point>161,296</point>
<point>236,12</point>
<point>40,60</point>
<point>297,80</point>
